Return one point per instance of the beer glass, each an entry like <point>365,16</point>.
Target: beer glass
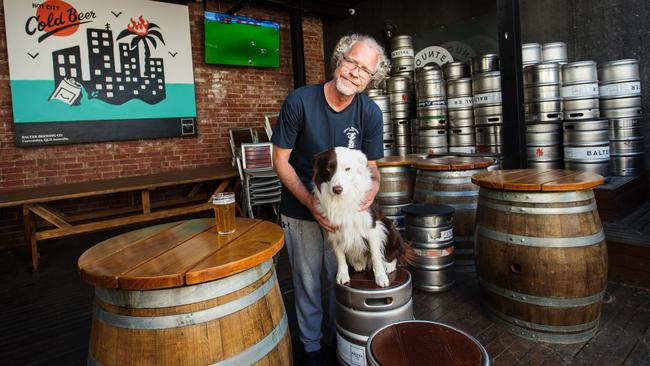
<point>224,212</point>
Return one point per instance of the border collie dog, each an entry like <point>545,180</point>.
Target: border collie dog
<point>364,239</point>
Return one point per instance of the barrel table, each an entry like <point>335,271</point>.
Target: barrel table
<point>540,251</point>
<point>447,180</point>
<point>181,294</point>
<point>418,342</point>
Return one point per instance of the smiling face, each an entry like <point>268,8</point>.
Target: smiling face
<point>350,79</point>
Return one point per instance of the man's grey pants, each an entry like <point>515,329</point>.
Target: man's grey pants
<point>309,252</point>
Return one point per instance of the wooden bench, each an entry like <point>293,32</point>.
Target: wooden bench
<point>36,202</point>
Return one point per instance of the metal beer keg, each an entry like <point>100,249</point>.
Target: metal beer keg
<point>586,146</point>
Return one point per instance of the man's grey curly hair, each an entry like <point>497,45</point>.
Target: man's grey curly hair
<point>346,42</point>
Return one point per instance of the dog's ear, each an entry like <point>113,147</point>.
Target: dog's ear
<point>320,163</point>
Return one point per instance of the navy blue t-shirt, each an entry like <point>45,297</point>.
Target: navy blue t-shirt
<point>308,125</point>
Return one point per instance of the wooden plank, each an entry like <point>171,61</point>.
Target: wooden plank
<point>494,179</point>
<point>251,249</point>
<point>146,204</point>
<point>195,189</point>
<point>93,188</point>
<point>631,334</point>
<point>157,272</point>
<point>536,179</point>
<point>580,181</point>
<point>115,244</point>
<point>119,222</point>
<point>106,271</point>
<point>48,215</point>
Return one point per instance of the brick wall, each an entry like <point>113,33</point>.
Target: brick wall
<point>225,97</point>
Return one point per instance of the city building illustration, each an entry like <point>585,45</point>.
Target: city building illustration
<point>133,81</point>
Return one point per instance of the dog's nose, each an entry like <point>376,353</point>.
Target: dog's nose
<point>337,189</point>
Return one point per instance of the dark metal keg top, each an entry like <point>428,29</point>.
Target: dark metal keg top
<point>428,209</point>
<point>366,279</point>
<point>425,343</point>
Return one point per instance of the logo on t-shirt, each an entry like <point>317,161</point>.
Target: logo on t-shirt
<point>351,134</point>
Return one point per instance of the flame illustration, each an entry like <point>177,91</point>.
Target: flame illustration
<point>140,28</point>
<point>539,152</point>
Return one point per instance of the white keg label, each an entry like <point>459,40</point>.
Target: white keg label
<point>350,353</point>
<point>431,102</point>
<point>455,103</point>
<point>580,91</point>
<point>463,149</point>
<point>487,98</point>
<point>433,253</point>
<point>598,153</point>
<point>444,235</point>
<point>616,89</point>
<point>408,52</point>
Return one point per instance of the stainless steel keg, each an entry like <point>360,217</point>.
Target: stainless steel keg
<point>620,89</point>
<point>484,63</point>
<point>489,135</point>
<point>554,52</point>
<point>428,72</point>
<point>382,101</point>
<point>401,53</point>
<point>626,147</point>
<point>429,230</point>
<point>531,53</point>
<point>455,70</point>
<point>580,90</point>
<point>543,111</point>
<point>361,309</point>
<point>542,74</point>
<point>543,143</point>
<point>586,146</point>
<point>462,139</point>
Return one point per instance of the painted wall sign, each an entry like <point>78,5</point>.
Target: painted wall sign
<point>433,54</point>
<point>93,70</point>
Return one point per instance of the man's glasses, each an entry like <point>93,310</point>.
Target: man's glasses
<point>351,65</point>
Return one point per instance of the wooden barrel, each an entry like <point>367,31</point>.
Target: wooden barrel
<point>181,294</point>
<point>541,255</point>
<point>396,180</point>
<point>418,342</point>
<point>447,180</point>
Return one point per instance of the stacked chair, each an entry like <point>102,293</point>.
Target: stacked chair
<point>254,161</point>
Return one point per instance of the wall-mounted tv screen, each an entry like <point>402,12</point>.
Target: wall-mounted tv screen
<point>242,41</point>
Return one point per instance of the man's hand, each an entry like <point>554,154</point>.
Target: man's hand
<point>322,220</point>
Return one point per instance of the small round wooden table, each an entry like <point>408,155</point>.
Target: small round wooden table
<point>181,294</point>
<point>541,257</point>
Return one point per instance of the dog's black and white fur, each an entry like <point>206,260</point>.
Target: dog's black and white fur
<point>367,239</point>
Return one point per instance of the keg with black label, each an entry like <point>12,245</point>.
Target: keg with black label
<point>362,307</point>
<point>586,146</point>
<point>620,89</point>
<point>429,231</point>
<point>580,90</point>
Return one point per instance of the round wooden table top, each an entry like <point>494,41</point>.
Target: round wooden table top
<point>549,180</point>
<point>179,253</point>
<point>424,343</point>
<point>453,163</point>
<point>394,161</point>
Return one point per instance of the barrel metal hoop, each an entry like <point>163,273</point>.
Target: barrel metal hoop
<point>182,295</point>
<point>182,320</point>
<point>539,300</point>
<point>535,197</point>
<point>395,169</point>
<point>393,194</point>
<point>449,193</point>
<point>398,178</point>
<point>538,210</point>
<point>430,180</point>
<point>536,241</point>
<point>521,328</point>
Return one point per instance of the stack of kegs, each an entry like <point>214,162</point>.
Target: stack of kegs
<point>400,91</point>
<point>488,111</point>
<point>554,52</point>
<point>431,110</point>
<point>429,230</point>
<point>362,308</point>
<point>379,97</point>
<point>460,112</point>
<point>620,102</point>
<point>543,114</point>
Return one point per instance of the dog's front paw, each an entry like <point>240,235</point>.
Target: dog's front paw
<point>381,279</point>
<point>342,278</point>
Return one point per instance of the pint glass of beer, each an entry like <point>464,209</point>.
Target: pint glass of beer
<point>224,212</point>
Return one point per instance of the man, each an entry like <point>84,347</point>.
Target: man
<point>312,119</point>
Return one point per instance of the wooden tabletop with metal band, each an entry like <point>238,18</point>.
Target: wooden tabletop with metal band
<point>179,253</point>
<point>549,180</point>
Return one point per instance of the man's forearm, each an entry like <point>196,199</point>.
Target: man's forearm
<point>290,180</point>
